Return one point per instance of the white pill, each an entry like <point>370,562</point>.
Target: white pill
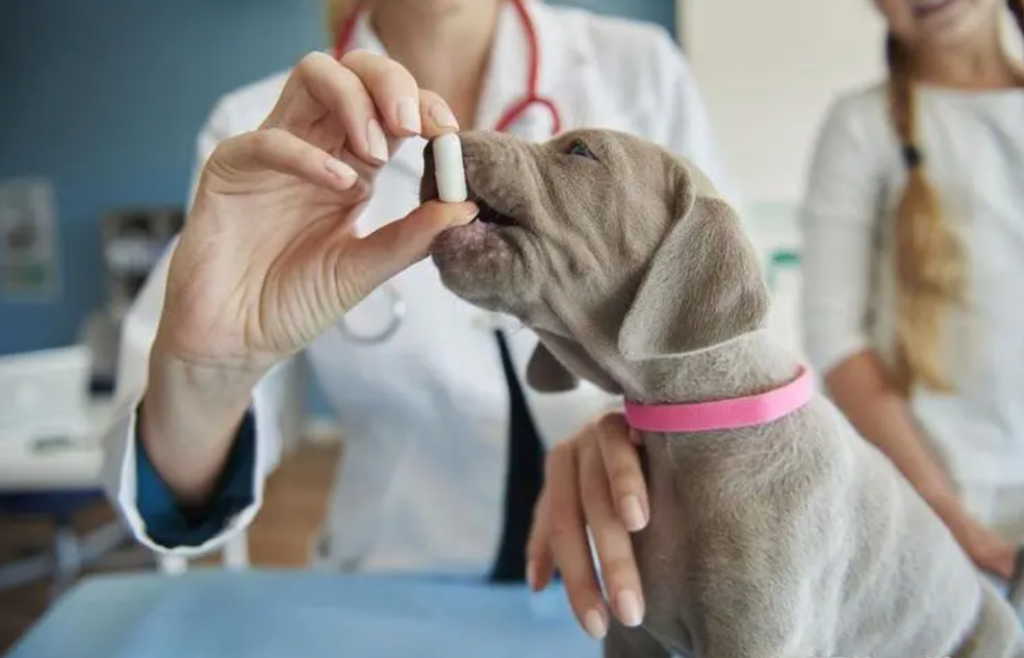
<point>449,171</point>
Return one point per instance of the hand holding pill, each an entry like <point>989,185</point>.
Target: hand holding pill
<point>295,187</point>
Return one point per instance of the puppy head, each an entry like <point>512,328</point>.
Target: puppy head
<point>608,246</point>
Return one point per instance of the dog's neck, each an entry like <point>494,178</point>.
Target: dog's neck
<point>749,365</point>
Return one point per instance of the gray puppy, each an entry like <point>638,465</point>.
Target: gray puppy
<point>793,539</point>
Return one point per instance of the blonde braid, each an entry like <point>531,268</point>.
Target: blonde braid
<point>929,259</point>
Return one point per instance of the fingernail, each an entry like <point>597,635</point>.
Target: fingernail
<point>531,575</point>
<point>443,117</point>
<point>631,611</point>
<point>634,513</point>
<point>341,171</point>
<point>471,212</point>
<point>378,142</point>
<point>594,622</point>
<point>409,115</point>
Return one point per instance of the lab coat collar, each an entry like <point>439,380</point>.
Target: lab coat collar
<point>560,55</point>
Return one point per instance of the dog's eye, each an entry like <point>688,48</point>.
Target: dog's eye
<point>578,148</point>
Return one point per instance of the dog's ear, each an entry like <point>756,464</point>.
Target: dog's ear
<point>546,374</point>
<point>704,286</point>
<point>558,364</point>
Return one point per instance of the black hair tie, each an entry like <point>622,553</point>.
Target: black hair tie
<point>911,156</point>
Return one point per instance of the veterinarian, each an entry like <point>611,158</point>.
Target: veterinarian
<point>445,446</point>
<point>914,257</point>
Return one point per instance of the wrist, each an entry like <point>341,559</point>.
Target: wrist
<point>941,498</point>
<point>188,419</point>
<point>209,387</point>
<point>185,401</point>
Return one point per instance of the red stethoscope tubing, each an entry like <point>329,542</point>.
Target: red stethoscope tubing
<point>520,107</point>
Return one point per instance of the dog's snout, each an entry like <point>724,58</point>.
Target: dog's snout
<point>489,147</point>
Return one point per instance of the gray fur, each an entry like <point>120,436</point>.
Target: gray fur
<point>790,540</point>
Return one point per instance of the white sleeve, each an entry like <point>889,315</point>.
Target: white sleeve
<point>137,334</point>
<point>838,218</point>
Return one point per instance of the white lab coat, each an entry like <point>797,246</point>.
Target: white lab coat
<point>425,415</point>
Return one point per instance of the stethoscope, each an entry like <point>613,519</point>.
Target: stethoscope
<point>397,310</point>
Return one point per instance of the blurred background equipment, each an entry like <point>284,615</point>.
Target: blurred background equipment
<point>132,242</point>
<point>56,400</point>
<point>50,461</point>
<point>29,259</point>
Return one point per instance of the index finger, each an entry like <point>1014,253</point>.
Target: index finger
<point>405,109</point>
<point>567,534</point>
<point>438,118</point>
<point>625,475</point>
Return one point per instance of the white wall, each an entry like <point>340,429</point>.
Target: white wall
<point>768,69</point>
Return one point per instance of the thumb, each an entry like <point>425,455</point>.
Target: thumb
<point>374,259</point>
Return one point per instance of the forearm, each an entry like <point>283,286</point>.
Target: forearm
<point>188,419</point>
<point>881,414</point>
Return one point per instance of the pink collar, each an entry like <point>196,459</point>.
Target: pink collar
<point>723,414</point>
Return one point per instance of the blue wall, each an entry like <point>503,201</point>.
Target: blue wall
<point>105,98</point>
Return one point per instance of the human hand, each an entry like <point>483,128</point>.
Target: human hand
<point>986,548</point>
<point>268,257</point>
<point>592,479</point>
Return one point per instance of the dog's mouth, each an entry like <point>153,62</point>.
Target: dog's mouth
<point>488,213</point>
<point>483,262</point>
<point>491,214</point>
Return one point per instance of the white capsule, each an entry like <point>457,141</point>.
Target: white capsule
<point>449,170</point>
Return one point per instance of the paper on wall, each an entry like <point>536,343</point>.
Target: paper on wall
<point>29,259</point>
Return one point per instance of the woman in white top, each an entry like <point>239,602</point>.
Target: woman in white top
<point>914,265</point>
<point>267,264</point>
